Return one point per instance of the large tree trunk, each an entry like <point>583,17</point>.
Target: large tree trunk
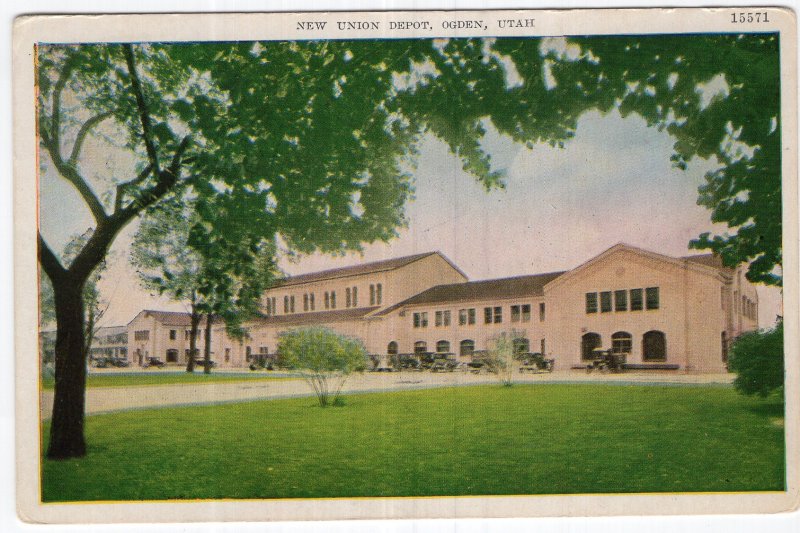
<point>195,323</point>
<point>66,429</point>
<point>207,359</point>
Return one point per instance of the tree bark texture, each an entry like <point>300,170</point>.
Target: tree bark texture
<point>66,429</point>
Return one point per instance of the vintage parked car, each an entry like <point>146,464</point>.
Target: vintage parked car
<point>153,361</point>
<point>606,361</point>
<point>536,362</point>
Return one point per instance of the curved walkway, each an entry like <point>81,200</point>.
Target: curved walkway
<point>110,399</point>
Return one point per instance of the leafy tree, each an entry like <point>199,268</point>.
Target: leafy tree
<point>323,358</point>
<point>502,356</point>
<point>718,96</point>
<point>305,143</point>
<point>757,359</point>
<point>166,263</point>
<point>224,281</point>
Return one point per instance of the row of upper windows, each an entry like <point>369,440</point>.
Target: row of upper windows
<point>746,306</point>
<point>468,316</point>
<point>309,302</point>
<point>623,300</point>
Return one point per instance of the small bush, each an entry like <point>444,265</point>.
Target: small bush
<point>757,359</point>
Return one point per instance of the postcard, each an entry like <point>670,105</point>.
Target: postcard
<point>406,264</point>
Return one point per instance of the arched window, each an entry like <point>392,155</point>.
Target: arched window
<point>392,348</point>
<point>467,347</point>
<point>589,342</point>
<point>420,347</point>
<point>621,342</point>
<point>521,345</point>
<point>654,346</point>
<point>443,347</point>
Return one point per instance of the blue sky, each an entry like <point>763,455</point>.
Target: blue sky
<point>612,183</point>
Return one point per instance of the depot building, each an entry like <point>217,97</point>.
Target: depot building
<point>667,313</point>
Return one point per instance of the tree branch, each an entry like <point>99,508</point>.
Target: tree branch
<point>124,186</point>
<point>50,263</point>
<point>71,174</point>
<point>87,126</point>
<point>144,113</point>
<point>52,142</point>
<point>166,180</point>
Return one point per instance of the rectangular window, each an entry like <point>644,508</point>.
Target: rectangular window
<point>285,304</point>
<point>651,295</point>
<point>466,316</point>
<point>305,302</point>
<point>327,300</point>
<point>291,304</point>
<point>355,296</point>
<point>416,320</point>
<point>446,318</point>
<point>274,306</point>
<point>541,346</point>
<point>347,297</point>
<point>372,295</point>
<point>487,315</point>
<point>378,294</point>
<point>498,315</point>
<point>173,334</point>
<point>541,312</point>
<point>636,299</point>
<point>141,335</point>
<point>591,302</point>
<point>311,300</point>
<point>420,320</point>
<point>186,335</point>
<point>515,313</point>
<point>333,299</point>
<point>605,301</point>
<point>621,300</point>
<point>438,319</point>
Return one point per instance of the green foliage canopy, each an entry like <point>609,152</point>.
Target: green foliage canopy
<point>323,358</point>
<point>757,359</point>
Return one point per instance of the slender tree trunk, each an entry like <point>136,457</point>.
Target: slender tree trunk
<point>195,323</point>
<point>66,429</point>
<point>207,366</point>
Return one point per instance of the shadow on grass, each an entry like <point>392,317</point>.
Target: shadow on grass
<point>769,407</point>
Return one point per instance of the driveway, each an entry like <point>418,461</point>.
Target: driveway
<point>109,399</point>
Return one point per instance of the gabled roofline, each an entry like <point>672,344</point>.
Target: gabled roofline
<point>342,272</point>
<point>621,246</point>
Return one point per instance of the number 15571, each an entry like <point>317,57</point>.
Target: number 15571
<point>748,16</point>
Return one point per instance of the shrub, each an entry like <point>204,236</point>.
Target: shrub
<point>757,359</point>
<point>323,358</point>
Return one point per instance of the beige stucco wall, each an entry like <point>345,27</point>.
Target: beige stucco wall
<point>690,309</point>
<point>399,325</point>
<point>159,341</point>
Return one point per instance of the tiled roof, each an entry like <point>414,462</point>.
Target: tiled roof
<point>355,270</point>
<point>480,290</point>
<point>711,260</point>
<point>174,318</point>
<point>315,318</point>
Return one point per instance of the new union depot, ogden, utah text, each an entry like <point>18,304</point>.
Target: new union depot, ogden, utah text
<point>664,312</point>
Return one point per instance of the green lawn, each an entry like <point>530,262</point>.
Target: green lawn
<point>158,377</point>
<point>526,439</point>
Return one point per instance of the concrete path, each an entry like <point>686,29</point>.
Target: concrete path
<point>109,399</point>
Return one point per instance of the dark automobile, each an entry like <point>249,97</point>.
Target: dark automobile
<point>153,361</point>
